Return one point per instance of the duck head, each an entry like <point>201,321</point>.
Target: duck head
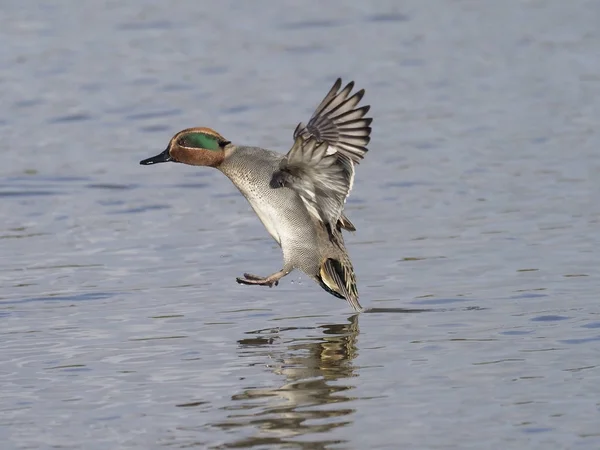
<point>194,146</point>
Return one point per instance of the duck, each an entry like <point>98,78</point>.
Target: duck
<point>299,196</point>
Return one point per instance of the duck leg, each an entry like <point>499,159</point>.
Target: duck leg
<point>271,280</point>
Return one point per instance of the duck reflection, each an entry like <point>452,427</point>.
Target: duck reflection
<point>317,367</point>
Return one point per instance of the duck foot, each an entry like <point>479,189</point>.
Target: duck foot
<point>271,280</point>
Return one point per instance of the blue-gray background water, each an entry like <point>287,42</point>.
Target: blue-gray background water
<point>121,323</point>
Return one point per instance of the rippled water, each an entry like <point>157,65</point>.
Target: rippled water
<point>477,211</point>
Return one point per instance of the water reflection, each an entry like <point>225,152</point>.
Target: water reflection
<point>317,368</point>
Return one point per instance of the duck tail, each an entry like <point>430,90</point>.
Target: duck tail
<point>337,277</point>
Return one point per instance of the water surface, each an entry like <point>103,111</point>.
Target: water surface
<point>477,213</point>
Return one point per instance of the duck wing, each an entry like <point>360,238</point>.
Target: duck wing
<point>320,164</point>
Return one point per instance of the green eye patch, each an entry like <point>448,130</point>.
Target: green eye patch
<point>199,140</point>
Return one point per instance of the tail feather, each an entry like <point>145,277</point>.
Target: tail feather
<point>338,278</point>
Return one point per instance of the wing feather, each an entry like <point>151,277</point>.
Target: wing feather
<point>320,164</point>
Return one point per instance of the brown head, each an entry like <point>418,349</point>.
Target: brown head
<point>194,146</point>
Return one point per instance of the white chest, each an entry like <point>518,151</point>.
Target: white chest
<point>261,202</point>
<point>266,215</point>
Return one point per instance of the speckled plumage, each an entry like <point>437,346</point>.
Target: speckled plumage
<point>300,196</point>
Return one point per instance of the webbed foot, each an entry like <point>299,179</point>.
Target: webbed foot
<point>271,280</point>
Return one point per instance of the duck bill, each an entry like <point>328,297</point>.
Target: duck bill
<point>160,158</point>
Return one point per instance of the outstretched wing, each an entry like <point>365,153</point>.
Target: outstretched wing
<point>320,164</point>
